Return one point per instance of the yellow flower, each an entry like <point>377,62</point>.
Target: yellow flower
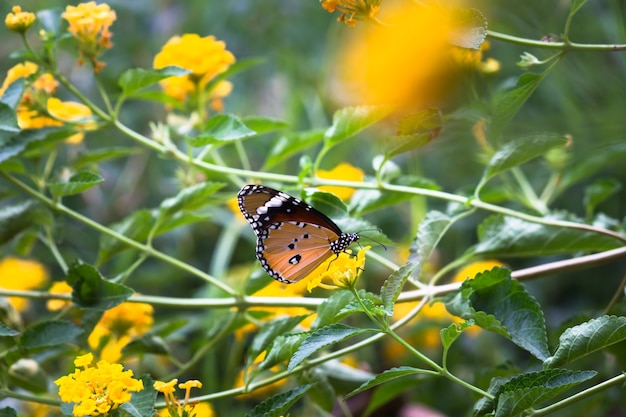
<point>118,326</point>
<point>469,271</point>
<point>73,113</point>
<point>89,23</point>
<point>173,406</point>
<point>343,171</point>
<point>98,389</point>
<point>402,63</point>
<point>342,270</point>
<point>59,287</point>
<point>19,21</point>
<point>352,10</point>
<point>16,72</point>
<point>204,57</point>
<point>21,274</point>
<point>471,58</point>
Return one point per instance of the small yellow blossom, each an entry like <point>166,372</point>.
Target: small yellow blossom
<point>73,113</point>
<point>19,21</point>
<point>352,10</point>
<point>89,23</point>
<point>342,270</point>
<point>21,70</point>
<point>59,287</point>
<point>469,271</point>
<point>205,57</point>
<point>21,274</point>
<point>118,326</point>
<point>98,389</point>
<point>343,171</point>
<point>173,405</point>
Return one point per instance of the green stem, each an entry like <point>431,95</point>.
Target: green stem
<point>554,45</point>
<point>5,393</point>
<point>534,201</point>
<point>51,244</point>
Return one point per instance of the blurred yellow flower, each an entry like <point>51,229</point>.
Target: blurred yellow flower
<point>59,287</point>
<point>89,23</point>
<point>472,58</point>
<point>73,113</point>
<point>343,171</point>
<point>98,389</point>
<point>21,274</point>
<point>205,57</point>
<point>21,70</point>
<point>118,326</point>
<point>403,62</point>
<point>342,270</point>
<point>173,406</point>
<point>352,10</point>
<point>469,271</point>
<point>19,21</point>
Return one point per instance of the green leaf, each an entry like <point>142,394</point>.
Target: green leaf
<point>146,343</point>
<point>220,129</point>
<point>364,201</point>
<point>292,143</point>
<point>281,350</point>
<point>269,332</point>
<point>521,150</point>
<point>7,331</point>
<point>392,287</point>
<point>386,376</point>
<point>20,217</point>
<point>414,131</point>
<point>142,402</point>
<point>469,28</point>
<point>575,5</point>
<point>180,219</point>
<point>94,156</point>
<point>278,404</point>
<point>452,332</point>
<point>429,233</point>
<point>190,198</point>
<point>593,161</point>
<point>328,311</point>
<point>598,192</point>
<point>31,139</point>
<point>137,226</point>
<point>134,79</point>
<point>11,98</point>
<point>77,183</point>
<point>261,124</point>
<point>385,393</point>
<point>524,391</point>
<point>321,338</point>
<point>586,338</point>
<point>321,392</point>
<point>50,333</point>
<point>92,291</point>
<point>500,304</point>
<point>29,375</point>
<point>8,412</point>
<point>349,121</point>
<point>501,236</point>
<point>327,203</point>
<point>508,104</point>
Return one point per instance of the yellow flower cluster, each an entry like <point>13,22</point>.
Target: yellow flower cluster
<point>205,57</point>
<point>89,23</point>
<point>21,274</point>
<point>342,271</point>
<point>352,10</point>
<point>37,109</point>
<point>343,171</point>
<point>19,21</point>
<point>174,407</point>
<point>99,389</point>
<point>118,326</point>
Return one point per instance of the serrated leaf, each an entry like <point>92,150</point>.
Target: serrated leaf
<point>501,236</point>
<point>414,131</point>
<point>27,140</point>
<point>396,145</point>
<point>281,350</point>
<point>141,403</point>
<point>500,304</point>
<point>386,376</point>
<point>94,156</point>
<point>261,124</point>
<point>79,182</point>
<point>521,150</point>
<point>292,143</point>
<point>220,129</point>
<point>92,291</point>
<point>527,390</point>
<point>269,332</point>
<point>327,203</point>
<point>452,332</point>
<point>469,28</point>
<point>321,338</point>
<point>50,333</point>
<point>137,226</point>
<point>508,104</point>
<point>598,192</point>
<point>7,331</point>
<point>392,287</point>
<point>278,404</point>
<point>190,198</point>
<point>349,121</point>
<point>328,311</point>
<point>586,338</point>
<point>17,218</point>
<point>7,412</point>
<point>134,79</point>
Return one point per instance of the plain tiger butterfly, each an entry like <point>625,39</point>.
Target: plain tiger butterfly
<point>293,238</point>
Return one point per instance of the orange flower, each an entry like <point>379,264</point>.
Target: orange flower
<point>19,21</point>
<point>352,10</point>
<point>343,171</point>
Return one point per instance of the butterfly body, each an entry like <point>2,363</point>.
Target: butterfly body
<point>293,238</point>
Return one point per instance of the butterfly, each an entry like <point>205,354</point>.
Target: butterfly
<point>293,238</point>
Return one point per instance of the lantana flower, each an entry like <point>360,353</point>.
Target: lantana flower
<point>340,272</point>
<point>19,21</point>
<point>174,408</point>
<point>89,23</point>
<point>343,171</point>
<point>97,390</point>
<point>206,57</point>
<point>352,10</point>
<point>21,274</point>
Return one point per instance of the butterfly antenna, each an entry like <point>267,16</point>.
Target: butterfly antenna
<point>373,240</point>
